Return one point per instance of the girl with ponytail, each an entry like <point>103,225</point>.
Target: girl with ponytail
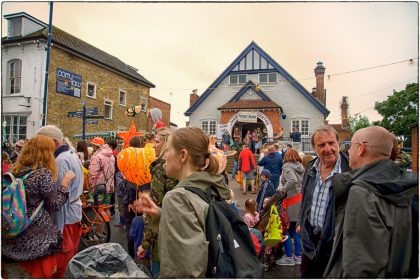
<point>183,248</point>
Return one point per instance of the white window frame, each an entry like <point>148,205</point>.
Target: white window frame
<point>237,79</point>
<point>125,97</point>
<point>211,126</point>
<point>16,78</point>
<point>13,31</point>
<point>267,77</point>
<point>87,89</point>
<point>109,103</point>
<point>299,126</point>
<point>143,104</point>
<point>13,137</point>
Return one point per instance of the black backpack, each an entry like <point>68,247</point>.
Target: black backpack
<point>231,250</point>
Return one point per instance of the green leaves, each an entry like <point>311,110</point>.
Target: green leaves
<point>400,111</point>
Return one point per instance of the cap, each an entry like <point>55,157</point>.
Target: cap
<point>97,141</point>
<point>266,173</point>
<point>20,143</point>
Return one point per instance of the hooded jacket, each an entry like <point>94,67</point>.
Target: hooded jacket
<point>274,163</point>
<point>292,185</point>
<point>373,217</point>
<point>102,168</point>
<point>183,247</point>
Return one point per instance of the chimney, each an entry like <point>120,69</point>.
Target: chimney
<point>325,122</point>
<point>193,97</point>
<point>344,113</point>
<point>319,74</point>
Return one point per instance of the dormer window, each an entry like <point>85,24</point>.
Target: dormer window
<point>15,27</point>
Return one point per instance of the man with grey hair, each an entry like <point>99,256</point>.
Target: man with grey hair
<point>316,222</point>
<point>69,216</point>
<point>373,213</point>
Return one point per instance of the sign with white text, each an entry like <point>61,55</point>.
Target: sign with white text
<point>68,83</point>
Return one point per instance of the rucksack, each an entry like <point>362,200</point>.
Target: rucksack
<point>14,211</point>
<point>258,240</point>
<point>231,251</point>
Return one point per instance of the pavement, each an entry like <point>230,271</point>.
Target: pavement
<point>118,234</point>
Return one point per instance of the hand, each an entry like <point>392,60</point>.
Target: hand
<point>298,229</point>
<point>67,179</point>
<point>149,207</point>
<point>141,252</point>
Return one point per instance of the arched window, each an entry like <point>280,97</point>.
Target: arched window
<point>14,76</point>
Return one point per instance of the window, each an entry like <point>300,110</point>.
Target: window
<point>91,90</point>
<point>108,109</point>
<point>302,126</point>
<point>15,72</point>
<point>209,127</point>
<point>15,128</point>
<point>143,104</point>
<point>237,79</point>
<point>15,26</point>
<point>267,78</point>
<point>123,97</point>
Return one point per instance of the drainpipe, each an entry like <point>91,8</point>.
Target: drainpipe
<point>44,104</point>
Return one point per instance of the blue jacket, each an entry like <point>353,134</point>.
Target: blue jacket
<point>272,162</point>
<point>324,246</point>
<point>266,190</point>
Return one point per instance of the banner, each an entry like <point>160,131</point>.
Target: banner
<point>68,83</point>
<point>250,117</point>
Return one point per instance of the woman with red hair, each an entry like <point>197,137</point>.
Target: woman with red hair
<point>34,250</point>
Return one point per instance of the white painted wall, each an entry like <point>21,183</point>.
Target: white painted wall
<point>32,83</point>
<point>294,104</point>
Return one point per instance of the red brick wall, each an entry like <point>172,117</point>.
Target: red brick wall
<point>415,149</point>
<point>164,107</point>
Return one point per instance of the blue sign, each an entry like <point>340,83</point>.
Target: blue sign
<point>92,122</point>
<point>75,114</point>
<point>92,111</point>
<point>68,83</point>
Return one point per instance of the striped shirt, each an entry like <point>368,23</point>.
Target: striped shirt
<point>320,198</point>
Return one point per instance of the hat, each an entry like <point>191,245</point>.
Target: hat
<point>266,173</point>
<point>247,145</point>
<point>97,141</point>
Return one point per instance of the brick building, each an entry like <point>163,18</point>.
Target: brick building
<point>78,72</point>
<point>343,128</point>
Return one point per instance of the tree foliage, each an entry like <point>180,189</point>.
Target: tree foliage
<point>357,122</point>
<point>400,111</point>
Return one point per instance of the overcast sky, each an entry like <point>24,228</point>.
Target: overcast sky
<point>185,46</point>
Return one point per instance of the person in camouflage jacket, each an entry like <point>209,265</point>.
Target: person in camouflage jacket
<point>160,185</point>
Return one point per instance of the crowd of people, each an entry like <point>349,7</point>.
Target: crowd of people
<point>350,215</point>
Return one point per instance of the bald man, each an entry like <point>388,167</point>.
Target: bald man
<point>373,235</point>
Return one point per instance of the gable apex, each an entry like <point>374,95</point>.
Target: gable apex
<point>253,59</point>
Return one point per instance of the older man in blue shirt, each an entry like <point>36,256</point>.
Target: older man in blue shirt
<point>316,221</point>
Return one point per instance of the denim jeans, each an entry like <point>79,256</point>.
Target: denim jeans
<point>288,243</point>
<point>235,169</point>
<point>155,269</point>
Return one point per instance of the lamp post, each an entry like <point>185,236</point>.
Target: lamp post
<point>44,105</point>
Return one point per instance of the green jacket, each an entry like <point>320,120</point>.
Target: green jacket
<point>183,248</point>
<point>373,236</point>
<point>160,185</point>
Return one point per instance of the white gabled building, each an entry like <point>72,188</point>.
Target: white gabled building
<point>255,91</point>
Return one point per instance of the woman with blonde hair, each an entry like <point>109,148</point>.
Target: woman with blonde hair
<point>183,247</point>
<point>35,249</point>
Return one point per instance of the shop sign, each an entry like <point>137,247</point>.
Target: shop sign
<point>250,117</point>
<point>68,83</point>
